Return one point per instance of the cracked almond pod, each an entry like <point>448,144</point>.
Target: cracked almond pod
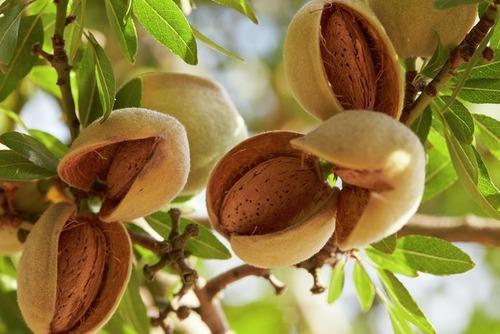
<point>271,202</point>
<point>73,272</point>
<point>141,155</point>
<point>382,167</point>
<point>414,25</point>
<point>338,57</point>
<point>212,123</point>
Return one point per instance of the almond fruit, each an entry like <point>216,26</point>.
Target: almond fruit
<point>142,156</point>
<point>338,56</point>
<point>73,271</point>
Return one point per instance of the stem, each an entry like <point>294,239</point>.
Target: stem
<point>458,56</point>
<point>211,313</point>
<point>480,230</point>
<point>63,68</point>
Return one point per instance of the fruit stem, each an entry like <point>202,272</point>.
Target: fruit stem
<point>473,44</point>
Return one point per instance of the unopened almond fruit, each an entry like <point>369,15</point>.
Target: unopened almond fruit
<point>141,156</point>
<point>271,202</point>
<point>382,167</point>
<point>204,108</point>
<point>338,57</point>
<point>415,26</point>
<point>73,272</point>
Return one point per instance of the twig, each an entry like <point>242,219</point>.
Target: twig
<point>159,247</point>
<point>211,312</point>
<point>458,56</point>
<point>220,282</point>
<point>59,61</point>
<point>470,228</point>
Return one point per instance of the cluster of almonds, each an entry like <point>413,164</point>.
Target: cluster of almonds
<point>76,266</point>
<point>268,195</point>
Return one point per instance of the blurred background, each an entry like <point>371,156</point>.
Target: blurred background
<point>467,303</point>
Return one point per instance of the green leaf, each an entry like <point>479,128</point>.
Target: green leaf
<point>89,106</point>
<point>14,167</point>
<point>30,32</point>
<point>104,77</point>
<point>438,59</point>
<point>433,256</point>
<point>337,278</point>
<point>488,133</point>
<point>398,321</point>
<point>129,95</point>
<point>241,6</point>
<point>474,176</point>
<point>74,32</point>
<point>9,28</point>
<point>132,310</point>
<point>205,245</point>
<point>400,296</point>
<point>54,145</point>
<point>486,69</point>
<point>168,25</point>
<point>123,27</point>
<point>422,125</point>
<point>364,287</point>
<point>458,119</point>
<point>31,149</point>
<point>481,91</point>
<point>10,314</point>
<point>390,262</point>
<point>214,45</point>
<point>387,245</point>
<point>439,174</point>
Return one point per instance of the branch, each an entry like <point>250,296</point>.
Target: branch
<point>458,56</point>
<point>211,312</point>
<point>59,61</point>
<point>485,231</point>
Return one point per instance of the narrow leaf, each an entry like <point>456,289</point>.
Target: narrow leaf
<point>336,282</point>
<point>214,45</point>
<point>123,27</point>
<point>364,287</point>
<point>386,245</point>
<point>433,256</point>
<point>439,174</point>
<point>164,20</point>
<point>89,106</point>
<point>422,125</point>
<point>30,32</point>
<point>129,95</point>
<point>205,245</point>
<point>241,6</point>
<point>402,297</point>
<point>31,149</point>
<point>488,133</point>
<point>9,28</point>
<point>458,119</point>
<point>53,144</point>
<point>74,32</point>
<point>390,262</point>
<point>14,167</point>
<point>398,321</point>
<point>481,91</point>
<point>104,77</point>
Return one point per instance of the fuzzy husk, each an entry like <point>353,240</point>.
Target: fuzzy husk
<point>305,69</point>
<point>300,238</point>
<point>204,108</point>
<point>364,140</point>
<point>37,274</point>
<point>162,177</point>
<point>413,25</point>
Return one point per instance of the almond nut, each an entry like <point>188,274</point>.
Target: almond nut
<point>338,56</point>
<point>270,201</point>
<point>385,159</point>
<point>140,155</point>
<point>73,271</point>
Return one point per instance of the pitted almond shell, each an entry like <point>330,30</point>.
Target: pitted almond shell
<point>9,242</point>
<point>38,270</point>
<point>163,171</point>
<point>255,166</point>
<point>414,26</point>
<point>373,143</point>
<point>305,65</point>
<point>204,108</point>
